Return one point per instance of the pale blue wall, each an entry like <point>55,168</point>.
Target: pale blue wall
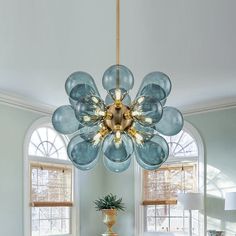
<point>92,186</point>
<point>13,126</point>
<point>218,130</point>
<point>123,186</point>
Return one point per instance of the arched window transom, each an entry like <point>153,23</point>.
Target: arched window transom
<point>45,142</point>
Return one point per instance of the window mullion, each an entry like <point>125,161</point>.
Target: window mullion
<point>169,217</point>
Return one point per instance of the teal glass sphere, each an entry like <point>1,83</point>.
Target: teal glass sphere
<point>83,153</point>
<point>153,90</point>
<point>118,77</point>
<point>64,120</point>
<point>157,78</point>
<point>87,133</point>
<point>153,152</point>
<point>118,150</point>
<point>89,110</point>
<point>146,166</point>
<point>80,77</point>
<point>171,122</point>
<point>80,91</point>
<point>116,167</point>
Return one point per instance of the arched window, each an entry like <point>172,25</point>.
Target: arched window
<point>47,143</point>
<point>49,183</point>
<point>156,191</point>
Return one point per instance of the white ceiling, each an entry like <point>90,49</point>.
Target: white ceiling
<point>193,41</point>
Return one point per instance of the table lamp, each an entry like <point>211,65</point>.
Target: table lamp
<point>230,201</point>
<point>191,201</point>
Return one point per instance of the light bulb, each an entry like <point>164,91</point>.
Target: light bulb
<point>97,138</point>
<point>139,138</point>
<point>117,139</point>
<point>118,94</point>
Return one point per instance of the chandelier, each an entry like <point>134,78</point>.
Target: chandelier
<point>117,127</point>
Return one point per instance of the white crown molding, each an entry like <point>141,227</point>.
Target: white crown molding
<point>25,104</point>
<point>209,107</point>
<point>45,109</point>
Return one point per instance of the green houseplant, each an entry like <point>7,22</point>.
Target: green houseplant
<point>109,205</point>
<point>110,201</point>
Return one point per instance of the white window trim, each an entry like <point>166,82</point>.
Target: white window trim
<point>27,216</point>
<point>138,181</point>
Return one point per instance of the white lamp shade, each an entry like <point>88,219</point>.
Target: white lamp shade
<point>230,201</point>
<point>191,201</point>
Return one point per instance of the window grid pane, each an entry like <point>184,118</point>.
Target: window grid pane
<point>50,183</point>
<point>50,221</point>
<point>169,180</point>
<point>181,145</point>
<point>169,218</point>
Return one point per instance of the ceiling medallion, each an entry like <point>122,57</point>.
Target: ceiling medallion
<point>118,127</point>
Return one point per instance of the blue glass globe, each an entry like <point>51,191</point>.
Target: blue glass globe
<point>116,167</point>
<point>80,91</point>
<point>64,120</point>
<point>146,166</point>
<point>153,90</point>
<point>147,110</point>
<point>89,110</point>
<point>84,154</point>
<point>118,77</point>
<point>118,150</point>
<point>88,166</point>
<point>153,152</point>
<point>146,132</point>
<point>158,78</point>
<point>171,122</point>
<point>80,77</point>
<point>87,133</point>
<point>72,102</point>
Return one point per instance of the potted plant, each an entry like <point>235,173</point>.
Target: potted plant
<point>109,205</point>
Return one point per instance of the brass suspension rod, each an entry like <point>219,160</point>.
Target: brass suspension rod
<point>117,32</point>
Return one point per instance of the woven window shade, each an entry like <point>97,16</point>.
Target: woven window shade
<point>160,187</point>
<point>51,185</point>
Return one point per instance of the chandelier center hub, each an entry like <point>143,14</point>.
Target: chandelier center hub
<point>118,117</point>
